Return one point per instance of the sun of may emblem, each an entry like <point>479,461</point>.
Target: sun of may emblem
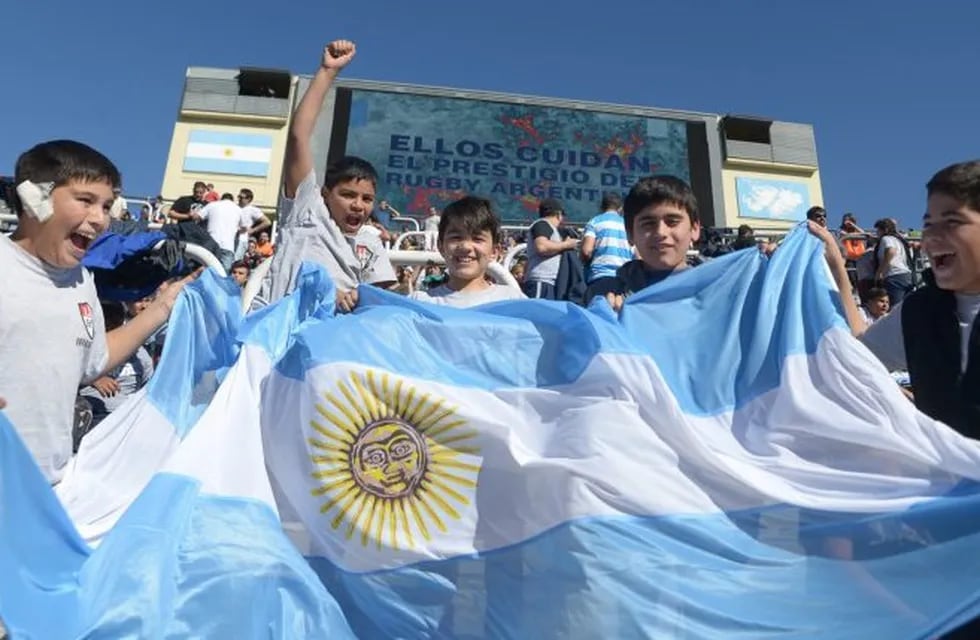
<point>391,462</point>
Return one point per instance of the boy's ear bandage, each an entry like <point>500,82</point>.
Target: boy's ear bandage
<point>36,199</point>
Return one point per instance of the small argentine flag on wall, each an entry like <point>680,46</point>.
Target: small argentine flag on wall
<point>243,154</point>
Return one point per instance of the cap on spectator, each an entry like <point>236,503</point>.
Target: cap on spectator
<point>550,206</point>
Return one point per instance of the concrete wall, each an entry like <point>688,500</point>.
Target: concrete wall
<point>208,105</point>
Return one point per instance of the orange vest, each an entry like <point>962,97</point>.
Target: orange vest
<point>854,249</point>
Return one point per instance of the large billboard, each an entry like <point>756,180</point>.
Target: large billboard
<point>430,150</point>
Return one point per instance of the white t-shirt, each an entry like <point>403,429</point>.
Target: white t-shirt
<point>224,219</point>
<point>431,224</point>
<point>884,338</point>
<point>899,263</point>
<point>250,215</point>
<point>118,206</point>
<point>443,295</point>
<point>308,233</point>
<point>52,338</point>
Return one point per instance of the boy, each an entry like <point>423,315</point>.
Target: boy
<point>52,336</point>
<point>111,390</point>
<point>469,234</point>
<point>933,333</point>
<point>322,225</point>
<point>875,305</point>
<point>662,223</point>
<point>239,273</point>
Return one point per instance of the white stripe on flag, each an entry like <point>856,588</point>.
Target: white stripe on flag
<point>227,152</point>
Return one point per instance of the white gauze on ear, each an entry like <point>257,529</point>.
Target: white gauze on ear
<point>36,199</point>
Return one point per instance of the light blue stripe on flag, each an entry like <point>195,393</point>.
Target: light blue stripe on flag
<point>231,139</point>
<point>236,167</point>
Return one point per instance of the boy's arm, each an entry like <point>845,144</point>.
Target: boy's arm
<point>123,342</point>
<point>838,270</point>
<point>299,153</point>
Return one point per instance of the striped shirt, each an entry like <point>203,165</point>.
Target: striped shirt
<point>612,250</point>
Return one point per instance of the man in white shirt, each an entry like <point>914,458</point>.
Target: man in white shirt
<point>224,222</point>
<point>431,228</point>
<point>253,221</point>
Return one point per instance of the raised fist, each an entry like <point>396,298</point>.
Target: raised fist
<point>338,54</point>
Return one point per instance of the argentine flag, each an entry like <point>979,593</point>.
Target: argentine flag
<point>720,460</point>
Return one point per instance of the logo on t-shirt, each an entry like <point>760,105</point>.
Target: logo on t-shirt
<point>365,256</point>
<point>88,318</point>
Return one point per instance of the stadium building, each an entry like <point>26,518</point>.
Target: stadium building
<point>431,144</point>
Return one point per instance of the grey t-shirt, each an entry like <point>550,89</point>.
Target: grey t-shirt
<point>308,233</point>
<point>539,268</point>
<point>52,338</point>
<point>884,338</point>
<point>443,295</point>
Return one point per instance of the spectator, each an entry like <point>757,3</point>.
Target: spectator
<point>54,338</point>
<point>119,205</point>
<point>264,247</point>
<point>210,195</point>
<point>818,215</point>
<point>224,222</point>
<point>406,281</point>
<point>252,257</point>
<point>663,223</point>
<point>157,214</point>
<point>875,305</point>
<point>892,260</point>
<point>744,238</point>
<point>239,273</point>
<point>604,245</point>
<point>854,247</point>
<point>253,220</point>
<point>517,270</point>
<point>544,250</point>
<point>321,224</point>
<point>184,208</point>
<point>431,228</point>
<point>469,233</point>
<point>113,388</point>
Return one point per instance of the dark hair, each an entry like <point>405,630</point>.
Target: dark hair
<point>874,293</point>
<point>350,168</point>
<point>241,264</point>
<point>227,196</point>
<point>611,201</point>
<point>814,211</point>
<point>887,226</point>
<point>60,161</point>
<point>247,193</point>
<point>113,314</point>
<point>960,181</point>
<point>473,215</point>
<point>200,184</point>
<point>654,190</point>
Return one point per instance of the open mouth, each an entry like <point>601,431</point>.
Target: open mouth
<point>81,241</point>
<point>942,260</point>
<point>352,221</point>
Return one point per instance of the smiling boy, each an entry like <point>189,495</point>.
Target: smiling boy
<point>662,223</point>
<point>52,336</point>
<point>323,224</point>
<point>469,234</point>
<point>933,333</point>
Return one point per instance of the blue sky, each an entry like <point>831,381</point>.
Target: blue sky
<point>889,86</point>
